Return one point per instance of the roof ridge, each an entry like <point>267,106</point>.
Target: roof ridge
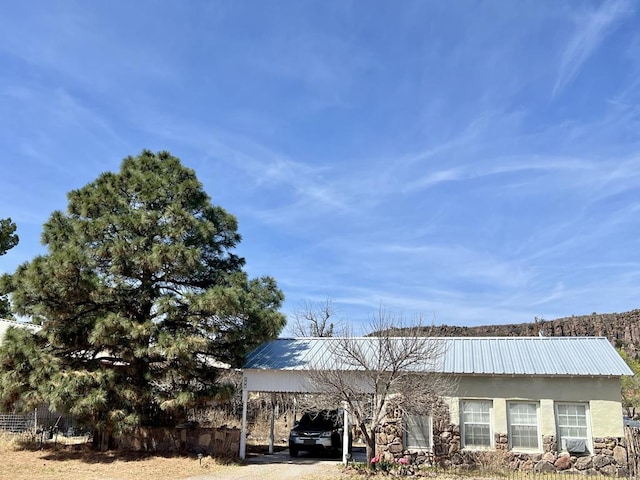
<point>511,337</point>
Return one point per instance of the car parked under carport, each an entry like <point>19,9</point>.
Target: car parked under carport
<point>318,432</point>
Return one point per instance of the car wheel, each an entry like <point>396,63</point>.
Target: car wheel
<point>293,451</point>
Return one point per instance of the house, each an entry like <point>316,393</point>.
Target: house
<point>6,324</point>
<point>536,398</point>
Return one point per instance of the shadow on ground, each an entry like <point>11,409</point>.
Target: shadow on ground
<point>282,457</point>
<point>92,457</point>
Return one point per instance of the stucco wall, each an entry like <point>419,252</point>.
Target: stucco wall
<point>277,381</point>
<point>601,394</point>
<point>295,381</point>
<point>607,450</point>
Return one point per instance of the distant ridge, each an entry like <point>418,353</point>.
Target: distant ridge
<point>622,329</point>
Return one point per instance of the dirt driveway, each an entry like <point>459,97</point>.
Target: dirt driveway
<point>280,466</point>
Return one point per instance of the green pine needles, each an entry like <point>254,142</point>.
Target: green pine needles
<point>141,299</point>
<point>8,240</point>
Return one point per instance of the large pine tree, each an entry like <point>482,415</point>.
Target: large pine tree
<point>8,240</point>
<point>140,298</point>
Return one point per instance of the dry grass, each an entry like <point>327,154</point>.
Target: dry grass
<point>81,463</point>
<point>22,459</point>
<point>258,432</point>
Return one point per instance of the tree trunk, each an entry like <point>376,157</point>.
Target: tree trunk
<point>103,440</point>
<point>371,447</point>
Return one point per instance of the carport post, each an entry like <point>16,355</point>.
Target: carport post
<point>243,430</point>
<point>345,434</point>
<point>273,420</point>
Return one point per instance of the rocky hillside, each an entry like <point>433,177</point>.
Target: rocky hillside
<point>622,329</point>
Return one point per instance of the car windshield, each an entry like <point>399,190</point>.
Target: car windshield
<point>319,419</point>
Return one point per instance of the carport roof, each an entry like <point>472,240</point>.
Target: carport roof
<point>563,356</point>
<point>6,324</point>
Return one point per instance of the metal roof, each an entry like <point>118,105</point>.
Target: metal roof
<point>5,324</point>
<point>563,356</point>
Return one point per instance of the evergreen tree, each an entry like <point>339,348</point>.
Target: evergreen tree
<point>140,298</point>
<point>630,386</point>
<point>8,240</point>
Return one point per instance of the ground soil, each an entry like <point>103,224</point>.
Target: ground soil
<point>280,467</point>
<point>81,463</point>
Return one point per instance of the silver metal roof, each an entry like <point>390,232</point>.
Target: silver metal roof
<point>564,356</point>
<point>6,324</point>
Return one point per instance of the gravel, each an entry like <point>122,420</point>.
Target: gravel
<point>280,466</point>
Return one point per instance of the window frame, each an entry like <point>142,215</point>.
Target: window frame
<point>588,439</point>
<point>429,436</point>
<point>510,424</point>
<point>463,425</point>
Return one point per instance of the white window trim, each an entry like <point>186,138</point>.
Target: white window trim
<point>538,426</point>
<point>430,436</point>
<point>492,442</point>
<point>587,414</point>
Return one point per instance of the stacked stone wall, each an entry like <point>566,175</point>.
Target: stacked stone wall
<point>223,442</point>
<point>609,456</point>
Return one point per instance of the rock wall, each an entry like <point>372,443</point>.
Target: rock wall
<point>609,455</point>
<point>220,442</point>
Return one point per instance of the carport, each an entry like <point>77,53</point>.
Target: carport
<point>283,367</point>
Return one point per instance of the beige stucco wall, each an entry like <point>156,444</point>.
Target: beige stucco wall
<point>298,381</point>
<point>601,394</point>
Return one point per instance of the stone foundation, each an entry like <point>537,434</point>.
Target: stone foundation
<point>609,456</point>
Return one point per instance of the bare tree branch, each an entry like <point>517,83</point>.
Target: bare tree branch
<point>315,319</point>
<point>383,373</point>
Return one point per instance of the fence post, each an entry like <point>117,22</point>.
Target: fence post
<point>346,429</point>
<point>272,424</point>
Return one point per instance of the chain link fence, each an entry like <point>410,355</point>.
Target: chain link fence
<point>15,423</point>
<point>40,420</point>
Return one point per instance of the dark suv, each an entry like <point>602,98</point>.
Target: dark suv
<point>318,431</point>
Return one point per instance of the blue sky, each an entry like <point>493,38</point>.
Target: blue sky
<point>470,162</point>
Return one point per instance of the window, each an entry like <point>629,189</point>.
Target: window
<point>417,432</point>
<point>573,427</point>
<point>523,425</point>
<point>476,423</point>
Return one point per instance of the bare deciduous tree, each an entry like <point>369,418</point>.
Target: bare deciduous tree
<point>382,374</point>
<point>315,319</point>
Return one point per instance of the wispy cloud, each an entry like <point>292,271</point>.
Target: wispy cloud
<point>325,63</point>
<point>63,119</point>
<point>591,31</point>
<point>407,156</point>
<point>300,182</point>
<point>72,42</point>
<point>457,261</point>
<point>514,164</point>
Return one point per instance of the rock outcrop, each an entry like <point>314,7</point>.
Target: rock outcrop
<point>622,329</point>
